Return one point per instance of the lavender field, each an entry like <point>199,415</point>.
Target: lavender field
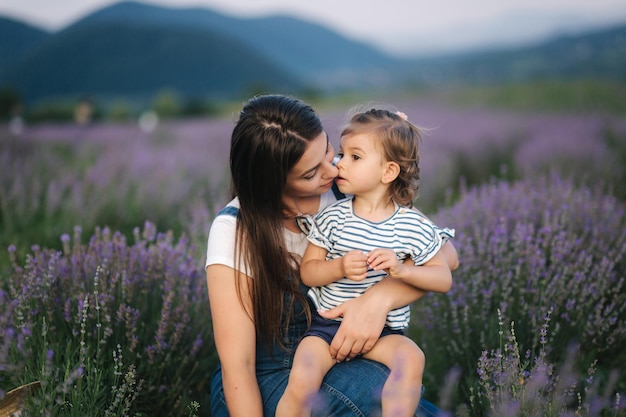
<point>102,293</point>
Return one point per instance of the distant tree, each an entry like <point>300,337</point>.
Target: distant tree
<point>167,104</point>
<point>257,88</point>
<point>120,111</point>
<point>311,94</point>
<point>199,107</point>
<point>10,103</point>
<point>52,110</point>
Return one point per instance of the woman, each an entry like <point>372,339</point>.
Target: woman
<point>281,166</point>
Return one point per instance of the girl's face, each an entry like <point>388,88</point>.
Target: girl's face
<point>361,164</point>
<point>314,173</point>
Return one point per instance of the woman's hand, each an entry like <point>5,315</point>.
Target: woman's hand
<point>364,317</point>
<point>360,329</point>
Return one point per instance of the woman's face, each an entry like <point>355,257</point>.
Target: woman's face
<point>314,173</point>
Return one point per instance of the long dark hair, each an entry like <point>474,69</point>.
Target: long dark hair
<point>270,137</point>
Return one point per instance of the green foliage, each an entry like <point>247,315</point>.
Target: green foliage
<point>167,104</point>
<point>50,186</point>
<point>617,145</point>
<point>578,96</point>
<point>10,103</point>
<point>197,107</point>
<point>533,252</point>
<point>120,111</point>
<point>52,110</point>
<point>511,382</point>
<point>108,328</point>
<point>528,250</point>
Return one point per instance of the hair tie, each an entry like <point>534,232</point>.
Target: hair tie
<point>402,115</point>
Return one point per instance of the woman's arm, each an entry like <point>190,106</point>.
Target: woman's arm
<point>235,341</point>
<point>364,317</point>
<point>449,251</point>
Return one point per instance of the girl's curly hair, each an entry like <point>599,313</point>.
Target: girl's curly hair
<point>399,139</point>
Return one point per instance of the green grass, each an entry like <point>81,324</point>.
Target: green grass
<point>576,96</point>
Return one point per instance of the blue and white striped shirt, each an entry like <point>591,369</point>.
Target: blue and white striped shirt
<point>338,230</point>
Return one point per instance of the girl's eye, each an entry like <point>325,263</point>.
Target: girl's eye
<point>356,157</point>
<point>340,155</point>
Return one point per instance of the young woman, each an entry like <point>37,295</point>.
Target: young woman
<point>281,167</point>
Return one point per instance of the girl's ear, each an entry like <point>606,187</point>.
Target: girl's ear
<point>391,172</point>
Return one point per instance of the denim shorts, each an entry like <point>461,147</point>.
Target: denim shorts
<point>326,328</point>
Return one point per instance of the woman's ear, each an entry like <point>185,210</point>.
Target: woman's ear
<point>391,172</point>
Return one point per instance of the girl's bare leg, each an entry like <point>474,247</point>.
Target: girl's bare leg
<point>310,364</point>
<point>403,388</point>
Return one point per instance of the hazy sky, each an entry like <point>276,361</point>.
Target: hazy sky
<point>395,25</point>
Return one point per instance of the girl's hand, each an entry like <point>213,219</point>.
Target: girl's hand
<point>385,259</point>
<point>354,265</point>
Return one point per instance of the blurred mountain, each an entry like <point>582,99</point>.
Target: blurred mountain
<point>598,54</point>
<point>122,60</point>
<point>133,50</point>
<point>299,46</point>
<point>16,38</point>
<point>504,31</point>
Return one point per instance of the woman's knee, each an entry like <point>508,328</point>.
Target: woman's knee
<point>353,388</point>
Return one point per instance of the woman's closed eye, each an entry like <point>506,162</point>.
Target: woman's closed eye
<point>310,176</point>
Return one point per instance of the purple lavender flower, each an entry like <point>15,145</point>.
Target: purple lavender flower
<point>107,293</point>
<point>549,253</point>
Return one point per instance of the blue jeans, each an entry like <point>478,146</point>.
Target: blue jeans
<point>349,389</point>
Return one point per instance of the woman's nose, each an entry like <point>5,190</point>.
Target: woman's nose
<point>329,170</point>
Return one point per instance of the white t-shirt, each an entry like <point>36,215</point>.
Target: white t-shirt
<point>221,242</point>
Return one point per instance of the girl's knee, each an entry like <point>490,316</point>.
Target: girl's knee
<point>410,359</point>
<point>301,385</point>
